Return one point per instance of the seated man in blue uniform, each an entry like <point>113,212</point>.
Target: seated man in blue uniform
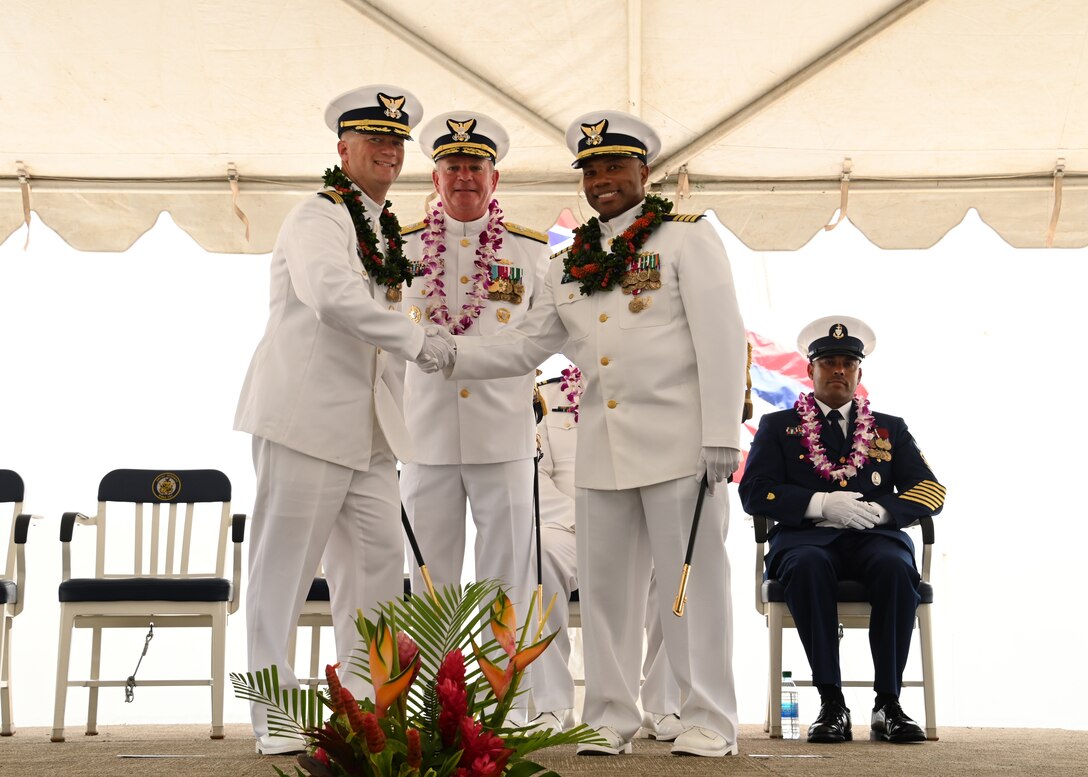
<point>842,482</point>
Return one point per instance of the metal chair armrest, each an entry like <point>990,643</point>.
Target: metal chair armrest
<point>237,535</point>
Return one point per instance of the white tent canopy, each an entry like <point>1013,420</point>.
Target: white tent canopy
<point>772,114</point>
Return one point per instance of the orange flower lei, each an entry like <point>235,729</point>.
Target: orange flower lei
<point>595,270</point>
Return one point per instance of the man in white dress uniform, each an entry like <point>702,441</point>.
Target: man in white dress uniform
<point>322,397</point>
<point>475,274</point>
<point>553,684</point>
<point>644,304</point>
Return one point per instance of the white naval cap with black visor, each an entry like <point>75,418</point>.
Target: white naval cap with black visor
<point>377,109</point>
<point>835,336</point>
<point>611,133</point>
<point>464,132</point>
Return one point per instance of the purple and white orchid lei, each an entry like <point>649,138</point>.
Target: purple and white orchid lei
<point>572,385</point>
<point>817,454</point>
<point>434,268</point>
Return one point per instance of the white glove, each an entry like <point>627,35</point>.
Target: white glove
<point>438,351</point>
<point>717,464</point>
<point>845,510</point>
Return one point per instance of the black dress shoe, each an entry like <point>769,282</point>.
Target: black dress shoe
<point>891,724</point>
<point>832,725</point>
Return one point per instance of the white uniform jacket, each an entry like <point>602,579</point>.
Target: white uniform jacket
<point>558,439</point>
<point>473,421</point>
<point>331,362</point>
<point>660,383</point>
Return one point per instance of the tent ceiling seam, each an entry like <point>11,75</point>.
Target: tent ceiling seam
<point>783,88</point>
<point>451,65</point>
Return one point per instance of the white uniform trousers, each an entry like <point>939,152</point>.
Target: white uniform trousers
<point>553,685</point>
<point>660,694</point>
<point>621,535</point>
<point>501,498</point>
<point>308,511</point>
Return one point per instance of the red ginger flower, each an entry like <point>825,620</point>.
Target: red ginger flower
<point>483,752</point>
<point>351,709</point>
<point>375,737</point>
<point>452,698</point>
<point>333,680</point>
<point>415,749</point>
<point>407,649</point>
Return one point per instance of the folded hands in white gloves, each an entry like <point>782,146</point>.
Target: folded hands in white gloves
<point>439,349</point>
<point>717,464</point>
<point>847,510</point>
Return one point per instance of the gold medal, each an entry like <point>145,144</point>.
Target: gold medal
<point>415,314</point>
<point>503,315</point>
<point>393,293</point>
<point>639,304</point>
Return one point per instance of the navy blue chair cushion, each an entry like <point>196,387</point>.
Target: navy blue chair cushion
<point>849,591</point>
<point>9,592</point>
<point>319,590</point>
<point>146,589</point>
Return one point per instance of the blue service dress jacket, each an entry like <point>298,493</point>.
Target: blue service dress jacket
<point>780,480</point>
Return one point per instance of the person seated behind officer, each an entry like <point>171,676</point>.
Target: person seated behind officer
<point>553,685</point>
<point>841,482</point>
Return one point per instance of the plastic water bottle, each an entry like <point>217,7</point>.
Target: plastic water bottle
<point>791,727</point>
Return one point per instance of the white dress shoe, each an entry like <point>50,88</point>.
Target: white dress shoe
<point>280,744</point>
<point>702,741</point>
<point>613,743</point>
<point>662,727</point>
<point>556,722</point>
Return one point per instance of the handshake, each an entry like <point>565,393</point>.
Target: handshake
<point>439,349</point>
<point>846,510</point>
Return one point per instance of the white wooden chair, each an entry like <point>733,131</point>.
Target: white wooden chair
<point>854,613</point>
<point>317,614</point>
<point>175,526</point>
<point>12,585</point>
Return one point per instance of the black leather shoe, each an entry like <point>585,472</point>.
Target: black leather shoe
<point>891,724</point>
<point>832,725</point>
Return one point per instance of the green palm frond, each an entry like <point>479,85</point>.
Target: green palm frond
<point>290,710</point>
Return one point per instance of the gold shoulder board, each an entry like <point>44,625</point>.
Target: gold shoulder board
<point>683,218</point>
<point>532,234</point>
<point>332,196</point>
<point>412,228</point>
<point>557,254</point>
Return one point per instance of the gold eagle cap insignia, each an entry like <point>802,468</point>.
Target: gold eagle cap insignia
<point>461,129</point>
<point>392,105</point>
<point>594,132</point>
<point>838,332</point>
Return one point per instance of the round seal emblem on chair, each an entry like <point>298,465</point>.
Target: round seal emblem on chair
<point>166,486</point>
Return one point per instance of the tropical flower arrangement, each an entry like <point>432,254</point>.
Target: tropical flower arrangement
<point>433,714</point>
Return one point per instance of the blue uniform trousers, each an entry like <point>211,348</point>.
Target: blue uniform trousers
<point>809,574</point>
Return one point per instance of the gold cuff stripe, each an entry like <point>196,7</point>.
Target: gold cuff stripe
<point>613,150</point>
<point>473,149</point>
<point>929,488</point>
<point>933,489</point>
<point>930,503</point>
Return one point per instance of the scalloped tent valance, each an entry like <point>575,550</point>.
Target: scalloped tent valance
<point>771,114</point>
